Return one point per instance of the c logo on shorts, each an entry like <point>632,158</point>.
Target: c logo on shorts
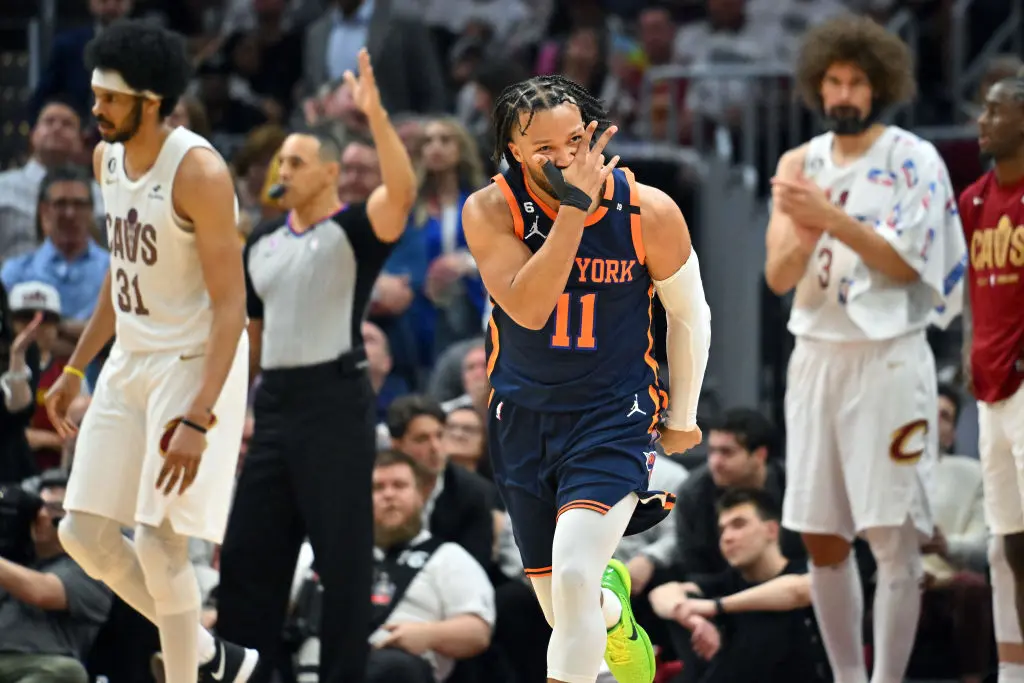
<point>900,442</point>
<point>165,438</point>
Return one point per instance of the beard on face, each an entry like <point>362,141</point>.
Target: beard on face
<point>385,537</point>
<point>845,119</point>
<point>125,133</point>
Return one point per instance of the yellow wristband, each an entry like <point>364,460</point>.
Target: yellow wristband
<point>70,370</point>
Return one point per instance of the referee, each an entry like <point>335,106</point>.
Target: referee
<point>309,468</point>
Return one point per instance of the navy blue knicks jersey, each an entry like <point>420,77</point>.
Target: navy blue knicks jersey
<point>597,344</point>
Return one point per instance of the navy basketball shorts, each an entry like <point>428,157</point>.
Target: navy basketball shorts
<point>548,463</point>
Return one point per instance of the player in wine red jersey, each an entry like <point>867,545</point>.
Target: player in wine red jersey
<point>992,212</point>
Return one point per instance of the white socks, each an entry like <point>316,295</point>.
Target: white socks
<point>897,599</point>
<point>838,602</point>
<point>611,608</point>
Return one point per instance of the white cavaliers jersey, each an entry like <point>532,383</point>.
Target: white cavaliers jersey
<point>156,282</point>
<point>901,188</point>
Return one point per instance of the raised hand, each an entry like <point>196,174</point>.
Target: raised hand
<point>364,88</point>
<point>588,170</point>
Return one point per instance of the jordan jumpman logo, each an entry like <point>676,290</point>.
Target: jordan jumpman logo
<point>636,407</point>
<point>534,230</point>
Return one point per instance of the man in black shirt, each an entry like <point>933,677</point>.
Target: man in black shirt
<point>740,454</point>
<point>761,606</point>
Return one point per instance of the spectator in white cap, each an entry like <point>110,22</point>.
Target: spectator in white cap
<point>19,379</point>
<point>29,300</point>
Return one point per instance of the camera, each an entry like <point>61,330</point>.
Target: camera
<point>18,509</point>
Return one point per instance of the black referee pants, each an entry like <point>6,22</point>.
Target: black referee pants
<point>308,472</point>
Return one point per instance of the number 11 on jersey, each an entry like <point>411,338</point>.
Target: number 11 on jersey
<point>560,337</point>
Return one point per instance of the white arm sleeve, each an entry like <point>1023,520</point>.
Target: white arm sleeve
<point>688,340</point>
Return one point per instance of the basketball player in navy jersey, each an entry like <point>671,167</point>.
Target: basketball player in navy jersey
<point>572,250</point>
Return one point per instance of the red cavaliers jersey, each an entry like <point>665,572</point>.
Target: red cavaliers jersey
<point>993,220</point>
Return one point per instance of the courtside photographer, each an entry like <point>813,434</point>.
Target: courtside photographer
<point>50,610</point>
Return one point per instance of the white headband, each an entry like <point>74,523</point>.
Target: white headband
<point>114,82</point>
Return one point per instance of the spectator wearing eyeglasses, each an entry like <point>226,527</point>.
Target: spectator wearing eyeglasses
<point>69,259</point>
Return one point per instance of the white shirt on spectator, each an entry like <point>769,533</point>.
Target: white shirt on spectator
<point>450,584</point>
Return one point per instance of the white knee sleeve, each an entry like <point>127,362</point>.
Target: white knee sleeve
<point>96,544</point>
<point>1004,605</point>
<point>584,542</point>
<point>897,552</point>
<point>170,578</point>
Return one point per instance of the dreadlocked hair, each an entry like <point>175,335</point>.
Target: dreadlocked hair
<point>538,94</point>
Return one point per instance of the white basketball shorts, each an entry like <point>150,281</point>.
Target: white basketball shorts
<point>1001,446</point>
<point>861,433</point>
<point>117,456</point>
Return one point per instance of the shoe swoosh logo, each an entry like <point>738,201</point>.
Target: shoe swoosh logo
<point>191,356</point>
<point>633,636</point>
<point>218,675</point>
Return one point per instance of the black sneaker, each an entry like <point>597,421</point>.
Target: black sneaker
<point>230,664</point>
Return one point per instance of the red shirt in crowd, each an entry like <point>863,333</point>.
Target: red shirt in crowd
<point>993,220</point>
<point>46,457</point>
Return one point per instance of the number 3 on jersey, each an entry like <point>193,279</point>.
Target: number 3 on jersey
<point>585,341</point>
<point>125,290</point>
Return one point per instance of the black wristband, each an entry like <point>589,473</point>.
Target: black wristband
<point>576,198</point>
<point>567,194</point>
<point>719,608</point>
<point>194,425</point>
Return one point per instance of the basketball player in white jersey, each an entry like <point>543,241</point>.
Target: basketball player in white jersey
<point>864,226</point>
<point>159,444</point>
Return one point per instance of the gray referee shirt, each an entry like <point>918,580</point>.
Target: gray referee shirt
<point>312,289</point>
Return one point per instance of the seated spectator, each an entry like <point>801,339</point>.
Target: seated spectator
<point>475,385</point>
<point>69,259</point>
<point>56,139</point>
<point>433,603</point>
<point>27,300</point>
<point>50,610</point>
<point>764,627</point>
<point>956,608</point>
<point>740,449</point>
<point>19,361</point>
<point>464,440</point>
<point>386,385</point>
<point>446,381</point>
<point>458,503</point>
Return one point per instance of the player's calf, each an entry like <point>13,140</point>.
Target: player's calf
<point>897,598</point>
<point>1013,549</point>
<point>838,601</point>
